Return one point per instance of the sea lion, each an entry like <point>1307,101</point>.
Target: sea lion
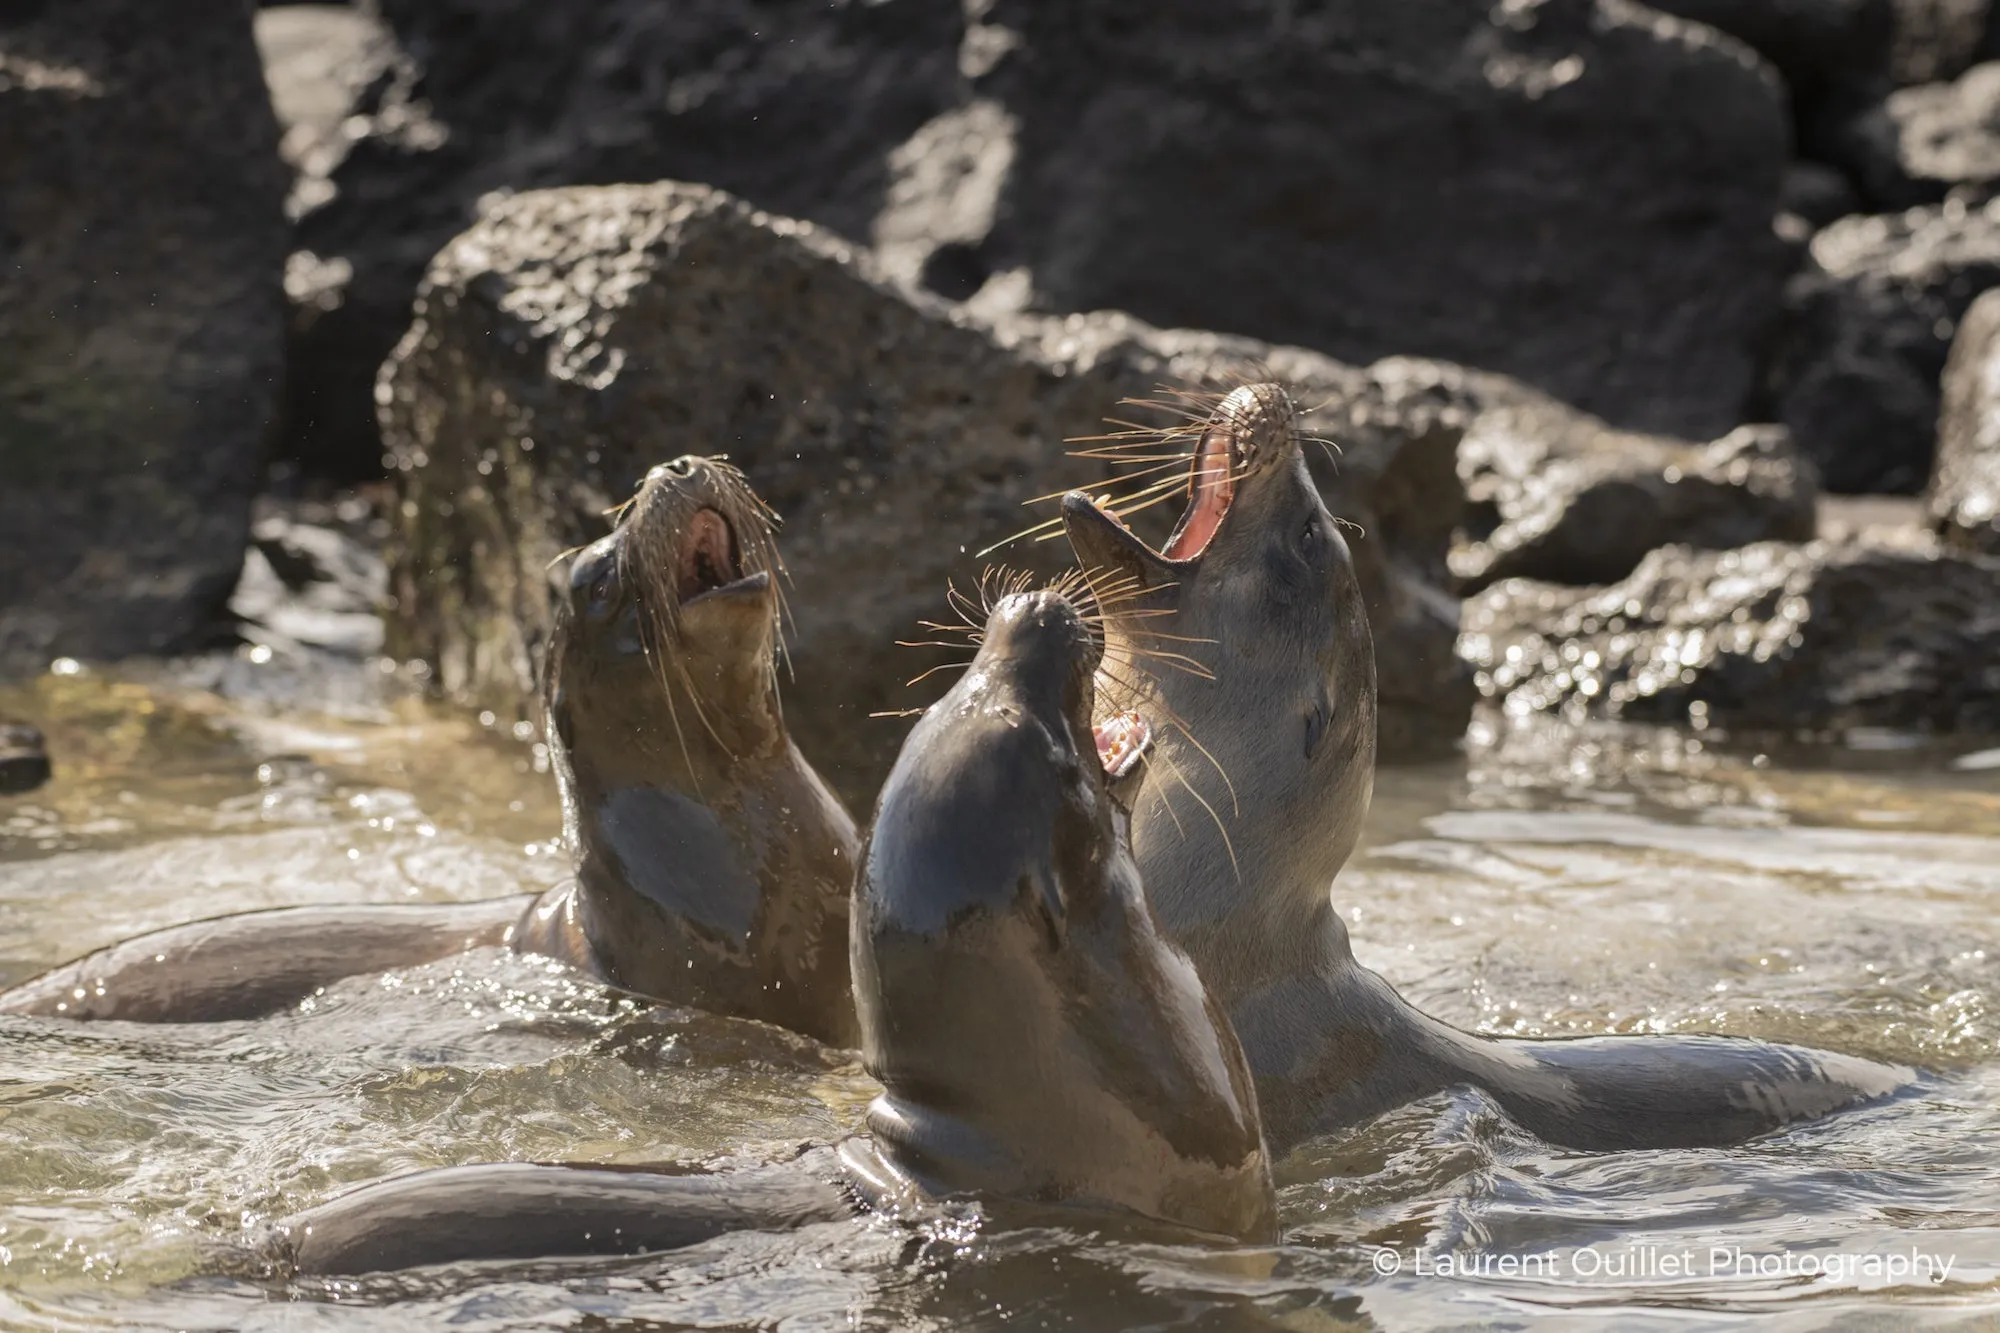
<point>712,863</point>
<point>1253,796</point>
<point>1039,1043</point>
<point>1006,963</point>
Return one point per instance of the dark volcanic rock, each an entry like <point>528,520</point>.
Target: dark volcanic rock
<point>1964,495</point>
<point>1774,636</point>
<point>24,758</point>
<point>308,584</point>
<point>336,78</point>
<point>1939,39</point>
<point>323,64</point>
<point>1578,193</point>
<point>1833,53</point>
<point>1817,195</point>
<point>574,338</point>
<point>142,245</point>
<point>1921,143</point>
<point>1867,323</point>
<point>1557,495</point>
<point>795,104</point>
<point>1549,492</point>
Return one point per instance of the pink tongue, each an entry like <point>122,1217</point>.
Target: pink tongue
<point>1121,739</point>
<point>1213,491</point>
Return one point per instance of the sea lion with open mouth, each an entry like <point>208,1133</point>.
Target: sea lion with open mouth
<point>712,863</point>
<point>1253,796</point>
<point>1040,1045</point>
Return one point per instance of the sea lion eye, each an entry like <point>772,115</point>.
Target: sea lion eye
<point>1312,544</point>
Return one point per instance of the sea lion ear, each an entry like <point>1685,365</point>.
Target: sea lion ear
<point>1100,543</point>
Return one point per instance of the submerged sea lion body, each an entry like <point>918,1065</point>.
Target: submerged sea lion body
<point>713,865</point>
<point>1039,1042</point>
<point>1239,837</point>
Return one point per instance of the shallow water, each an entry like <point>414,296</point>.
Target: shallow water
<point>1552,884</point>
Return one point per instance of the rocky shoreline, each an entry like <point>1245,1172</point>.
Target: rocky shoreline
<point>1595,303</point>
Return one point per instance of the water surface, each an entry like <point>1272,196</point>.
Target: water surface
<point>1550,884</point>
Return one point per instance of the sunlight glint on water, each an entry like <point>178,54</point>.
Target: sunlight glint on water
<point>1628,883</point>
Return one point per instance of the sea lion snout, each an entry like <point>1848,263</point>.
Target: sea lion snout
<point>1042,631</point>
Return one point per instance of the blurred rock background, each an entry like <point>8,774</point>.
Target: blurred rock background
<point>1624,318</point>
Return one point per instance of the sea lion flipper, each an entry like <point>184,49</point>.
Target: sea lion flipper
<point>513,1210</point>
<point>1668,1091</point>
<point>254,963</point>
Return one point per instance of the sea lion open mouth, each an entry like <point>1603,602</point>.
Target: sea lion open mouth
<point>1237,439</point>
<point>709,560</point>
<point>1218,461</point>
<point>1122,739</point>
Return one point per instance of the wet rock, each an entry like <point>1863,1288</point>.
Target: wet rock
<point>1862,341</point>
<point>314,584</point>
<point>1832,53</point>
<point>576,337</point>
<point>1939,39</point>
<point>1557,495</point>
<point>1817,195</point>
<point>794,104</point>
<point>1963,499</point>
<point>1887,517</point>
<point>1882,632</point>
<point>24,758</point>
<point>336,77</point>
<point>1578,193</point>
<point>1921,143</point>
<point>322,64</point>
<point>142,244</point>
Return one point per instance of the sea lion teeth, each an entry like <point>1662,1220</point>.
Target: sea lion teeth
<point>1121,739</point>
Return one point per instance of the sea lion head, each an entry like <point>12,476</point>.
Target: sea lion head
<point>1037,1039</point>
<point>1243,641</point>
<point>666,632</point>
